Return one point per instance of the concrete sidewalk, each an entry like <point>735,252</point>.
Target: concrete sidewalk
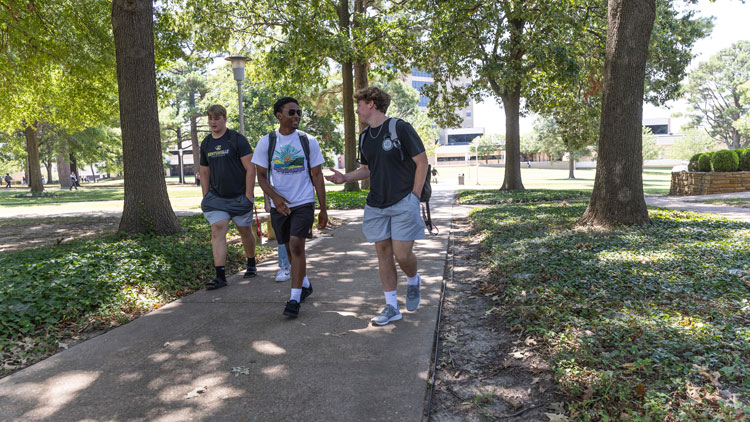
<point>329,364</point>
<point>691,203</point>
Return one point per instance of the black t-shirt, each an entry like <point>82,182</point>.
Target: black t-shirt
<point>391,178</point>
<point>223,160</point>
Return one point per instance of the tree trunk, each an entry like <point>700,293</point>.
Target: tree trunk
<point>93,173</point>
<point>194,135</point>
<point>63,170</point>
<point>512,106</point>
<point>147,208</point>
<point>571,166</point>
<point>48,167</point>
<point>360,82</point>
<point>618,187</point>
<point>32,154</point>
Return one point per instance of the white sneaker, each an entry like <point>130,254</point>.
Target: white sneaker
<point>283,275</point>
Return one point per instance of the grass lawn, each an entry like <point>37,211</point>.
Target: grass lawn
<point>655,180</point>
<point>639,323</point>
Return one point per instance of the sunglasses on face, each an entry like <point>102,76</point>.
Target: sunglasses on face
<point>291,112</point>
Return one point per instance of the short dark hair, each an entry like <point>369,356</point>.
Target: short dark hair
<point>381,98</point>
<point>281,102</point>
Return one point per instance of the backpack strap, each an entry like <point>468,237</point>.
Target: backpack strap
<point>306,149</point>
<point>233,139</point>
<point>271,147</point>
<point>394,136</point>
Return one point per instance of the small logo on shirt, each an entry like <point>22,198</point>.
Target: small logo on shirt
<point>217,147</point>
<point>387,144</point>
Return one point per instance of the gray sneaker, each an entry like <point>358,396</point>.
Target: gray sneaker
<point>388,314</point>
<point>412,296</point>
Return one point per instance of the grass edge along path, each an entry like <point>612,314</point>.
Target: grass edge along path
<point>639,323</point>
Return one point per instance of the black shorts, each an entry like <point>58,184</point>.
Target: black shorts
<point>298,223</point>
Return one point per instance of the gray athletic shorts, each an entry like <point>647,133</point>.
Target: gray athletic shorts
<point>216,208</point>
<point>401,221</point>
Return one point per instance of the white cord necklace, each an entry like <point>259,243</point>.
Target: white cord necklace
<point>381,128</point>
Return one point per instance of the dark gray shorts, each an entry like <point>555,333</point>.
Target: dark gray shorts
<point>216,208</point>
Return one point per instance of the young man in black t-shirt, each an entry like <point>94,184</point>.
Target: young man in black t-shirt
<point>228,182</point>
<point>397,170</point>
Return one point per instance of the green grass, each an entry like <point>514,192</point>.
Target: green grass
<point>52,292</point>
<point>18,197</point>
<point>639,323</point>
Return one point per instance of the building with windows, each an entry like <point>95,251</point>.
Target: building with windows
<point>454,142</point>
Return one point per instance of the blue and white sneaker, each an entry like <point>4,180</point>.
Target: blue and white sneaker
<point>413,296</point>
<point>388,314</point>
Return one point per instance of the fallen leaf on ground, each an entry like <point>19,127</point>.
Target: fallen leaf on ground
<point>195,393</point>
<point>241,370</point>
<point>556,417</point>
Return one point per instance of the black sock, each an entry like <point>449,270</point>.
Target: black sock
<point>220,273</point>
<point>251,262</point>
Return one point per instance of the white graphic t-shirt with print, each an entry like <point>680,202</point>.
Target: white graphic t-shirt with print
<point>289,176</point>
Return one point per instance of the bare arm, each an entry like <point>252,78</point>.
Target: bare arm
<point>249,176</point>
<point>363,172</point>
<point>205,178</point>
<point>421,173</point>
<point>320,190</point>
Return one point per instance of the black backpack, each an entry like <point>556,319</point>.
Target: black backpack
<point>305,148</point>
<point>426,187</point>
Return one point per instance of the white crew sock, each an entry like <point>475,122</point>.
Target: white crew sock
<point>305,282</point>
<point>296,294</point>
<point>413,281</point>
<point>391,298</point>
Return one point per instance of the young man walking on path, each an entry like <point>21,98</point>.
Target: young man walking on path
<point>228,182</point>
<point>295,178</point>
<point>397,171</point>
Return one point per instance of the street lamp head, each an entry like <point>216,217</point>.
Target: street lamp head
<point>238,66</point>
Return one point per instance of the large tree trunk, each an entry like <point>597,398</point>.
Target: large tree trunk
<point>360,82</point>
<point>347,92</point>
<point>63,170</point>
<point>194,135</point>
<point>512,106</point>
<point>147,208</point>
<point>618,187</point>
<point>571,166</point>
<point>32,154</point>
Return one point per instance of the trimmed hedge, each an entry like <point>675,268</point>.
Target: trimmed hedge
<point>704,162</point>
<point>744,156</point>
<point>725,160</point>
<point>693,164</point>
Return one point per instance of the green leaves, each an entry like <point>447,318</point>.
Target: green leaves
<point>630,315</point>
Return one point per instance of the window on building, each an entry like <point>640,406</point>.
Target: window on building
<point>468,114</point>
<point>462,139</point>
<point>415,71</point>
<point>659,129</point>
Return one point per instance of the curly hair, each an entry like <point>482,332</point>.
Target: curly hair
<point>381,98</point>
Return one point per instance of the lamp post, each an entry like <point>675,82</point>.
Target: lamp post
<point>238,67</point>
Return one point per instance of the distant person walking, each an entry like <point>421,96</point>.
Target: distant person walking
<point>8,179</point>
<point>295,178</point>
<point>228,183</point>
<point>434,175</point>
<point>73,181</point>
<point>397,169</point>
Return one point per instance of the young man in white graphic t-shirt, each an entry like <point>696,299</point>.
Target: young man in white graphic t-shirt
<point>295,178</point>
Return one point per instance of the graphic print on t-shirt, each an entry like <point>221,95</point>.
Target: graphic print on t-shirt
<point>288,160</point>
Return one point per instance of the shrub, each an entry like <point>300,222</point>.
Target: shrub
<point>704,162</point>
<point>725,160</point>
<point>744,159</point>
<point>693,164</point>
